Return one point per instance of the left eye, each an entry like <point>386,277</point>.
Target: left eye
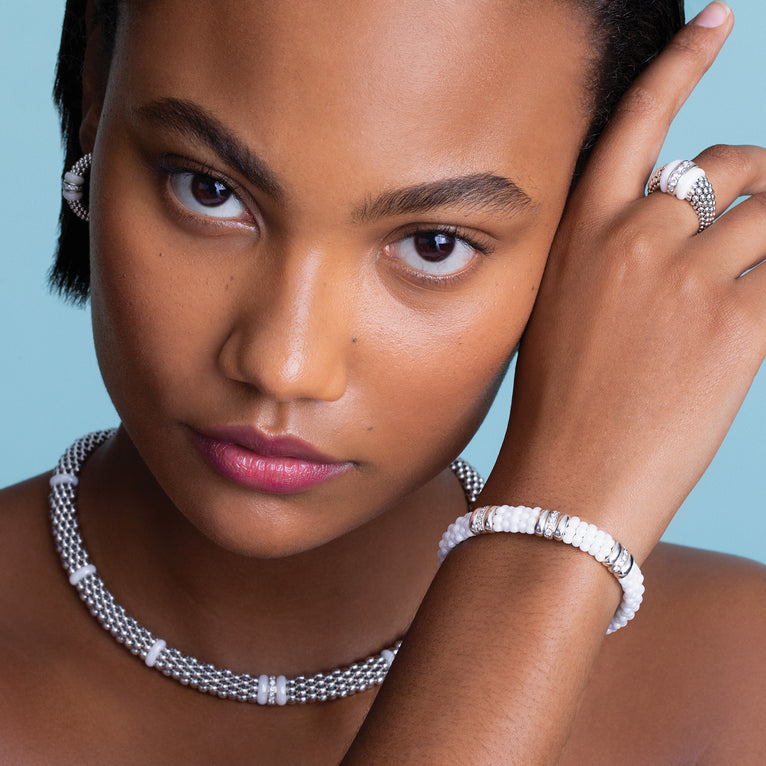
<point>205,195</point>
<point>433,252</point>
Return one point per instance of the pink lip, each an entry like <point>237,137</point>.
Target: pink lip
<point>279,465</point>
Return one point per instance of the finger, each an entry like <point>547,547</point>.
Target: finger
<point>737,242</point>
<point>733,171</point>
<point>631,142</point>
<point>751,287</point>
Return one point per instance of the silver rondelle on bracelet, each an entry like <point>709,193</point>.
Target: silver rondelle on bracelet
<point>553,525</point>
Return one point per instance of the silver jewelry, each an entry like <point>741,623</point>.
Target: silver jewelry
<point>675,175</point>
<point>187,670</point>
<point>553,525</point>
<point>685,180</point>
<point>73,184</point>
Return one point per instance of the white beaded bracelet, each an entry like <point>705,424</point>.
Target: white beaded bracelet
<point>553,525</point>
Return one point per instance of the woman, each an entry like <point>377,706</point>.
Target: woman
<point>315,244</point>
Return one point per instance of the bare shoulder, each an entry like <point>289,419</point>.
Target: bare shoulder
<point>711,607</point>
<point>23,522</point>
<point>30,616</point>
<point>27,559</point>
<point>684,682</point>
<point>712,597</point>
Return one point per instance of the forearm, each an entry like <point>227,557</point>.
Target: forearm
<point>642,344</point>
<point>497,659</point>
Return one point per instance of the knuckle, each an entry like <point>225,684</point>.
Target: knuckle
<point>636,245</point>
<point>717,313</point>
<point>733,158</point>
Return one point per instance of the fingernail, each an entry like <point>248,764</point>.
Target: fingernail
<point>713,15</point>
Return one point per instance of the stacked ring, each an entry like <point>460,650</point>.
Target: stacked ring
<point>684,180</point>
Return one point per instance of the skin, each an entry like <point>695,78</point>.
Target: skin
<point>261,313</point>
<point>299,318</point>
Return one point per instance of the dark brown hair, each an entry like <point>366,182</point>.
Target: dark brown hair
<point>627,35</point>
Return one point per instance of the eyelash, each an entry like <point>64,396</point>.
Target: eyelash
<point>481,248</point>
<point>171,167</point>
<point>450,230</point>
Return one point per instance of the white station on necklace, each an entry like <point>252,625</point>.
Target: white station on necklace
<point>187,670</point>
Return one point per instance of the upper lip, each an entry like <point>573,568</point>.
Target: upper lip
<point>267,446</point>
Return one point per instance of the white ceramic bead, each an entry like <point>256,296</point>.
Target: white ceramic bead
<point>81,573</point>
<point>667,170</point>
<point>595,544</point>
<point>263,689</point>
<point>63,478</point>
<point>569,530</point>
<point>579,534</point>
<point>605,545</point>
<point>281,690</point>
<point>154,652</point>
<point>587,539</point>
<point>687,180</point>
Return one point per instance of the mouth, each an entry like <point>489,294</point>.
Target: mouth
<point>278,465</point>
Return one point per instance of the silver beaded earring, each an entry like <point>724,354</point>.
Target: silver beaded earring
<point>73,184</point>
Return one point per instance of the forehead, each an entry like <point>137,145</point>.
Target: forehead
<point>419,85</point>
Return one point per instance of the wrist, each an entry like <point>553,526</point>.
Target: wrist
<point>622,510</point>
<point>550,525</point>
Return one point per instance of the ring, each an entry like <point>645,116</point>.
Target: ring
<point>684,180</point>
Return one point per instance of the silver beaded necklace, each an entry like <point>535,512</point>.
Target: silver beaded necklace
<point>187,670</point>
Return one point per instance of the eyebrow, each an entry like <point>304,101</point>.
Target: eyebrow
<point>190,119</point>
<point>485,191</point>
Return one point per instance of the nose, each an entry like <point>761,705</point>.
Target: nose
<point>290,334</point>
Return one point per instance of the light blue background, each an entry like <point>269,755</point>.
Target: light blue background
<point>50,385</point>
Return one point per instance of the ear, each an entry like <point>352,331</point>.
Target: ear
<point>95,73</point>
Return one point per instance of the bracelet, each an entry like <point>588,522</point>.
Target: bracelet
<point>553,525</point>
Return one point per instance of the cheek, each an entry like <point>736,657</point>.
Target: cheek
<point>440,369</point>
<point>149,324</point>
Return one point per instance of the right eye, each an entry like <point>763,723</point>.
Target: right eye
<point>207,196</point>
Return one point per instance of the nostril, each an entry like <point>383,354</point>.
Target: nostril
<point>286,363</point>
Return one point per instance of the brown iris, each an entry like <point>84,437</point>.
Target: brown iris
<point>433,246</point>
<point>209,191</point>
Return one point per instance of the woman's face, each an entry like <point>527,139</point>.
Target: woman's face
<point>325,221</point>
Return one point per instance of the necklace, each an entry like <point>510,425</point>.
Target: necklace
<point>187,670</point>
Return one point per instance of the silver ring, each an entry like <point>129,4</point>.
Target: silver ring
<point>685,180</point>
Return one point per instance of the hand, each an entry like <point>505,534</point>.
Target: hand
<point>645,337</point>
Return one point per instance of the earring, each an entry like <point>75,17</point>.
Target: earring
<point>73,184</point>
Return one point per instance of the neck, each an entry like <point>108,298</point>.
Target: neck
<point>295,615</point>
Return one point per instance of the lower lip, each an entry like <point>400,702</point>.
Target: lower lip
<point>278,475</point>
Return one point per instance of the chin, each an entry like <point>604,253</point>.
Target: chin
<point>268,530</point>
